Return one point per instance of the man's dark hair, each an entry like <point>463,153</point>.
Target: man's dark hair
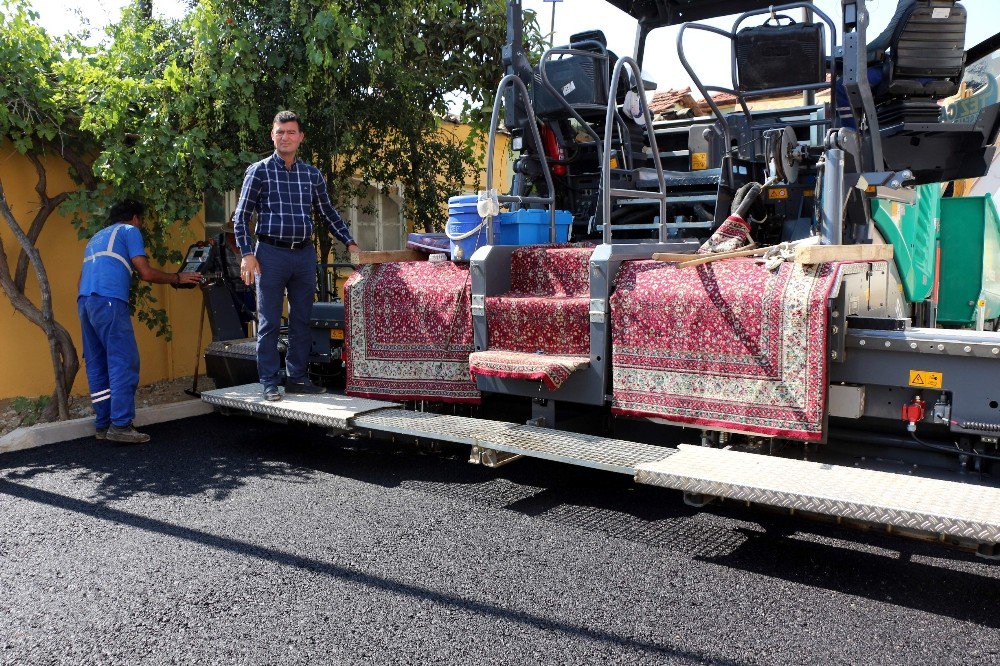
<point>124,210</point>
<point>288,117</point>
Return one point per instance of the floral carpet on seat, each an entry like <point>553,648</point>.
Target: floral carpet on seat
<point>553,325</point>
<point>552,370</point>
<point>540,329</point>
<point>727,345</point>
<point>409,332</point>
<point>548,306</point>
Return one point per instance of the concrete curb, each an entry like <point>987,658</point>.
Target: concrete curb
<point>62,431</point>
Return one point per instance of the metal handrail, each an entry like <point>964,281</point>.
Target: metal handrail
<point>549,200</point>
<point>606,191</point>
<point>735,91</point>
<point>602,54</point>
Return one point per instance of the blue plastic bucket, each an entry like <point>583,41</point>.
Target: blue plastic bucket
<point>531,227</point>
<point>465,229</point>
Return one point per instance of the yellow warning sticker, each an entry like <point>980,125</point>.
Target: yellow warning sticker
<point>926,379</point>
<point>699,161</point>
<point>777,193</point>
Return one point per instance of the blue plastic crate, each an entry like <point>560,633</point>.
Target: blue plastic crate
<point>531,227</point>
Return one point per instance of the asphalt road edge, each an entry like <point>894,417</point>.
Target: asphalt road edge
<point>43,434</point>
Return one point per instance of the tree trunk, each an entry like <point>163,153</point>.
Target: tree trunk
<point>61,348</point>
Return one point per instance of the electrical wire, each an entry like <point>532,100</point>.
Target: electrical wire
<point>956,450</point>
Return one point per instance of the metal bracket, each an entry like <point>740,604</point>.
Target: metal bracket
<point>491,458</point>
<point>598,310</point>
<point>478,305</point>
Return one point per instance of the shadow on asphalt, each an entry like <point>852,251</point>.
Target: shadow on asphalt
<point>188,457</point>
<point>216,455</point>
<point>354,576</point>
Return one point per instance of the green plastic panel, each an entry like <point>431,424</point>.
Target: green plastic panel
<point>970,259</point>
<point>910,229</point>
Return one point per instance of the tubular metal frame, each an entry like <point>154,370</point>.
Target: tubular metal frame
<point>735,91</point>
<point>606,191</point>
<point>549,200</point>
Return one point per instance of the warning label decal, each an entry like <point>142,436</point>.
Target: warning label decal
<point>926,379</point>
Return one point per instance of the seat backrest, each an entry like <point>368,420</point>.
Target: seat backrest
<point>928,46</point>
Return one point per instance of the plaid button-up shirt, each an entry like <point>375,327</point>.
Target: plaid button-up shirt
<point>284,200</point>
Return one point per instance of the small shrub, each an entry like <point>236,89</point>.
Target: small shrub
<point>30,409</point>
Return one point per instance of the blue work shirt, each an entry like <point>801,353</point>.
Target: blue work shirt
<point>284,200</point>
<point>107,261</point>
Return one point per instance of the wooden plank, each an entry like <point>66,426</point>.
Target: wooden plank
<point>818,254</point>
<point>694,259</point>
<point>716,256</point>
<point>388,257</point>
<point>673,256</point>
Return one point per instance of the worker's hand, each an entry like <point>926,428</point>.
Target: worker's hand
<point>353,247</point>
<point>249,269</point>
<point>188,278</point>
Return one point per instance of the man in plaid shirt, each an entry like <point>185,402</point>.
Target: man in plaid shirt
<point>284,191</point>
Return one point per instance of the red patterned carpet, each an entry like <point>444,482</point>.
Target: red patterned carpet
<point>549,369</point>
<point>540,329</point>
<point>727,345</point>
<point>409,332</point>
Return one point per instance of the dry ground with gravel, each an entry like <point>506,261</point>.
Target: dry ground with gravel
<point>158,393</point>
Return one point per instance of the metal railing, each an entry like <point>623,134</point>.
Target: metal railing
<point>550,201</point>
<point>742,95</point>
<point>606,190</point>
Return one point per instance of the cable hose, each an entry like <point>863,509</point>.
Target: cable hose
<point>956,451</point>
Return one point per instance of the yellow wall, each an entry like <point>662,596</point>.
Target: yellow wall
<point>25,368</point>
<point>24,357</point>
<point>502,173</point>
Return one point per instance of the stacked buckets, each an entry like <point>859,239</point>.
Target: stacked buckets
<point>466,230</point>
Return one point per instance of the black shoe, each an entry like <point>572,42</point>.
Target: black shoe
<point>101,433</point>
<point>126,434</point>
<point>272,394</point>
<point>306,387</point>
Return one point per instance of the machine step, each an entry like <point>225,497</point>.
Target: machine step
<point>960,510</point>
<point>327,409</point>
<point>613,455</point>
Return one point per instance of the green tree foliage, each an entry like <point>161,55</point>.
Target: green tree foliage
<point>163,110</point>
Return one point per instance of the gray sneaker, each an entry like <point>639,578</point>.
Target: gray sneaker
<point>126,434</point>
<point>101,433</point>
<point>272,394</point>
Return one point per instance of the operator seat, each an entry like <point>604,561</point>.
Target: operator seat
<point>924,62</point>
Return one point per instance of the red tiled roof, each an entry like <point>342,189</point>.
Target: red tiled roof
<point>667,99</point>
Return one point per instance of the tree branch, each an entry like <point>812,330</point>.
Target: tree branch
<point>38,223</point>
<point>42,317</point>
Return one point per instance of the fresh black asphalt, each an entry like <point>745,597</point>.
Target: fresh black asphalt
<point>231,540</point>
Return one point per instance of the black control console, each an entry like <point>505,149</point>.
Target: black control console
<point>200,258</point>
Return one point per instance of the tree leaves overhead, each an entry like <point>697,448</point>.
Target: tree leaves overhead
<point>163,110</point>
<point>184,106</point>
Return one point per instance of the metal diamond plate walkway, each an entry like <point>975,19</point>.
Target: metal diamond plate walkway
<point>942,507</point>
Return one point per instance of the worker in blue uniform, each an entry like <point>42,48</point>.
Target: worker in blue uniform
<point>109,349</point>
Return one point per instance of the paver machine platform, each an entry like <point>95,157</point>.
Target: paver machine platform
<point>801,299</point>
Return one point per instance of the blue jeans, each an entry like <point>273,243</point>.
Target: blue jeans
<point>111,357</point>
<point>284,270</point>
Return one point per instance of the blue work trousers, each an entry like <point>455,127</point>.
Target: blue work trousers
<point>111,357</point>
<point>292,271</point>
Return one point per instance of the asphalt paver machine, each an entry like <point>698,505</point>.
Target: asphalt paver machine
<point>819,243</point>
